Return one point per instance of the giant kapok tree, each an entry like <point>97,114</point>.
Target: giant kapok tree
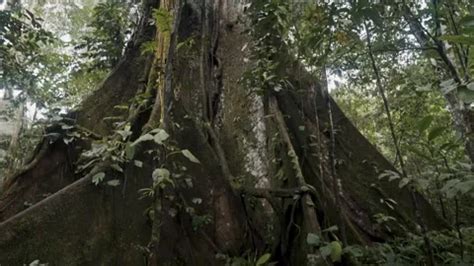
<point>210,140</point>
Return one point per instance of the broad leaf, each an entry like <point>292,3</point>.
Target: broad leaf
<point>424,123</point>
<point>161,177</point>
<point>113,183</point>
<point>160,136</point>
<point>313,239</point>
<point>403,182</point>
<point>466,95</point>
<point>97,178</point>
<point>336,251</point>
<point>160,172</point>
<point>436,132</point>
<point>263,259</point>
<point>117,168</point>
<point>325,250</point>
<point>129,151</point>
<point>331,229</point>
<point>190,156</point>
<point>145,137</point>
<point>461,39</point>
<point>448,86</point>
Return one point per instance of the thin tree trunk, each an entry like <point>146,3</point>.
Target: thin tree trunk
<point>462,116</point>
<point>416,206</point>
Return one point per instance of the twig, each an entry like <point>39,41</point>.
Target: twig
<point>332,161</point>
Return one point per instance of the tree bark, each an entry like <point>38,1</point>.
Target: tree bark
<point>237,138</point>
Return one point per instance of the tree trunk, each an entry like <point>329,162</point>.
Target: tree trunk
<point>249,146</point>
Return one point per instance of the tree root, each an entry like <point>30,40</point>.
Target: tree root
<point>276,192</point>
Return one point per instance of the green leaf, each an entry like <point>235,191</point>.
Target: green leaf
<point>461,39</point>
<point>372,14</point>
<point>448,85</point>
<point>470,86</point>
<point>465,166</point>
<point>450,188</point>
<point>418,152</point>
<point>325,250</point>
<point>403,182</point>
<point>263,259</point>
<point>138,163</point>
<point>113,183</point>
<point>423,183</point>
<point>424,88</point>
<point>336,251</point>
<point>467,21</point>
<point>147,47</point>
<point>129,151</point>
<point>161,177</point>
<point>97,178</point>
<point>122,107</point>
<point>465,94</point>
<point>160,136</point>
<point>464,187</point>
<point>189,182</point>
<point>424,123</point>
<point>67,127</point>
<point>160,173</point>
<point>190,156</point>
<point>196,201</point>
<point>436,132</point>
<point>313,239</point>
<point>331,229</point>
<point>163,20</point>
<point>353,251</point>
<point>117,168</point>
<point>390,174</point>
<point>35,263</point>
<point>124,133</point>
<point>393,177</point>
<point>449,146</point>
<point>145,137</point>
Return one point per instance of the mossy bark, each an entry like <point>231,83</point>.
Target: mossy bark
<point>239,143</point>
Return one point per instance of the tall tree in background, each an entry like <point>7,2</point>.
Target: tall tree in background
<point>45,72</point>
